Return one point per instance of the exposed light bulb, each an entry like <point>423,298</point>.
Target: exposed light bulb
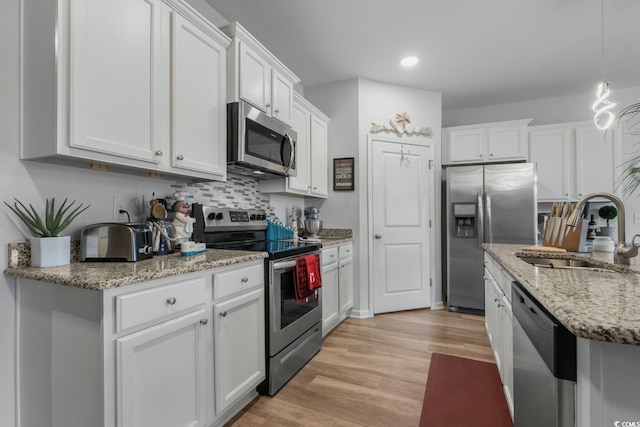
<point>409,61</point>
<point>603,117</point>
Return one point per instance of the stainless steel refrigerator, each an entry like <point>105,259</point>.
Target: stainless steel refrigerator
<point>494,203</point>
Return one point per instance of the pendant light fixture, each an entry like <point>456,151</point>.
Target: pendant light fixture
<point>603,117</point>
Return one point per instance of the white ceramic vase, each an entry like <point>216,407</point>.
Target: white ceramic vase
<point>50,251</point>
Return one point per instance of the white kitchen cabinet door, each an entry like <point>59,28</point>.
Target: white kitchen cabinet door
<point>116,72</point>
<point>550,149</point>
<point>318,159</point>
<point>198,131</point>
<point>507,352</point>
<point>255,79</point>
<point>466,146</point>
<point>488,307</point>
<point>330,297</point>
<point>281,97</point>
<point>345,282</point>
<point>301,123</point>
<point>239,346</point>
<point>311,179</point>
<point>506,143</point>
<point>596,160</point>
<point>161,374</point>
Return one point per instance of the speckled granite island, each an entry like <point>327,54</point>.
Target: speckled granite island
<point>602,306</point>
<point>603,310</point>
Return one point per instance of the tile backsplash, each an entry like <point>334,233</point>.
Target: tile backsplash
<point>237,192</point>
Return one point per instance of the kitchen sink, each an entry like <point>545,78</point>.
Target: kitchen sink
<point>561,263</point>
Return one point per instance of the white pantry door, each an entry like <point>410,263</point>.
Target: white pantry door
<point>402,197</point>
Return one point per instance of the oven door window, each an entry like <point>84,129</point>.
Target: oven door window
<point>265,143</point>
<point>290,309</point>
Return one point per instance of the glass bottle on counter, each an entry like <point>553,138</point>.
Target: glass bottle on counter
<point>593,227</point>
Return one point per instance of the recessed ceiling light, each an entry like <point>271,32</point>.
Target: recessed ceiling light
<point>409,61</point>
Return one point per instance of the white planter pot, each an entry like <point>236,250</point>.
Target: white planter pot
<point>50,251</point>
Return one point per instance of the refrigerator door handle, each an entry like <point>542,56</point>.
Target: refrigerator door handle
<point>480,224</point>
<point>488,229</point>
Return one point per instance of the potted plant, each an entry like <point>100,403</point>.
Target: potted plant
<point>48,249</point>
<point>629,117</point>
<point>608,212</point>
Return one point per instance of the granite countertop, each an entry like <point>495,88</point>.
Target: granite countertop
<point>335,236</point>
<point>106,275</point>
<point>603,306</point>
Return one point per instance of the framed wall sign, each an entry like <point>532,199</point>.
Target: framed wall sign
<point>343,174</point>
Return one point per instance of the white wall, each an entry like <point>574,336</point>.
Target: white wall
<point>352,106</point>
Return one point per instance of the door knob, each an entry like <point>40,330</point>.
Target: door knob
<point>378,236</point>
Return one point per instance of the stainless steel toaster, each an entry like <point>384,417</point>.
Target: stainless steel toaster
<point>114,241</point>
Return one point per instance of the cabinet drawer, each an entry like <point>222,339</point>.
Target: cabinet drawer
<point>329,256</point>
<point>152,304</point>
<point>345,251</point>
<point>231,282</point>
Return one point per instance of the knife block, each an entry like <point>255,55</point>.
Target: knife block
<point>559,235</point>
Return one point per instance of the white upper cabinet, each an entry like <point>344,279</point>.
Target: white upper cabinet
<point>573,159</point>
<point>484,143</point>
<point>147,96</point>
<point>198,100</point>
<point>311,180</point>
<point>258,77</point>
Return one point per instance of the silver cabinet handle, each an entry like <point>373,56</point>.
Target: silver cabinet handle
<point>204,321</point>
<point>171,301</point>
<point>277,111</point>
<point>223,314</point>
<point>378,236</point>
<point>159,153</point>
<point>180,157</point>
<point>244,279</point>
<point>267,105</point>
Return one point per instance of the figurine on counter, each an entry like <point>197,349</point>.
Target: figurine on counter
<point>182,222</point>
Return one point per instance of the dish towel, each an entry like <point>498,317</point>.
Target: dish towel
<point>308,277</point>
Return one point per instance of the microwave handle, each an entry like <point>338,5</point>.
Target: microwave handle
<point>290,140</point>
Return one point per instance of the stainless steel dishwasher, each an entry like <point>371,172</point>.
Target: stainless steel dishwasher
<point>544,365</point>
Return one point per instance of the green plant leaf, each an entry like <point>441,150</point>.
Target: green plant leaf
<point>55,220</point>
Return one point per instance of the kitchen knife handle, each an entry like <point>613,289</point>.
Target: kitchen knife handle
<point>480,222</point>
<point>488,203</point>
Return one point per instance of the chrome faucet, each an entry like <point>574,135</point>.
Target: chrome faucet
<point>623,253</point>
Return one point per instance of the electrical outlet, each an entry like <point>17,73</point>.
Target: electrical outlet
<point>125,204</point>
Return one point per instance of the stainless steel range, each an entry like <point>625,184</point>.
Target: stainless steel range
<point>293,328</point>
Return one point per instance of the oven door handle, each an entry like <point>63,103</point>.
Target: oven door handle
<point>283,265</point>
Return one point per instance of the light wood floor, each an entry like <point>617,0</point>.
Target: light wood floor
<point>371,372</point>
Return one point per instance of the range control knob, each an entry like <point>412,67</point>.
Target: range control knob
<point>263,217</point>
<point>211,216</point>
<point>253,217</point>
<point>219,216</point>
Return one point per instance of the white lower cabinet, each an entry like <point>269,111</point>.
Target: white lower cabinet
<point>499,322</point>
<point>161,374</point>
<point>337,285</point>
<point>238,346</point>
<point>330,295</point>
<point>182,351</point>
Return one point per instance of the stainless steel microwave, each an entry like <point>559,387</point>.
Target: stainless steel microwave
<point>258,145</point>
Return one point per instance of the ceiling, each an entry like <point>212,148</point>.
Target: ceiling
<point>475,53</point>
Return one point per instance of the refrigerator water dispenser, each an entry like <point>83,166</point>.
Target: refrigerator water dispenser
<point>464,220</point>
